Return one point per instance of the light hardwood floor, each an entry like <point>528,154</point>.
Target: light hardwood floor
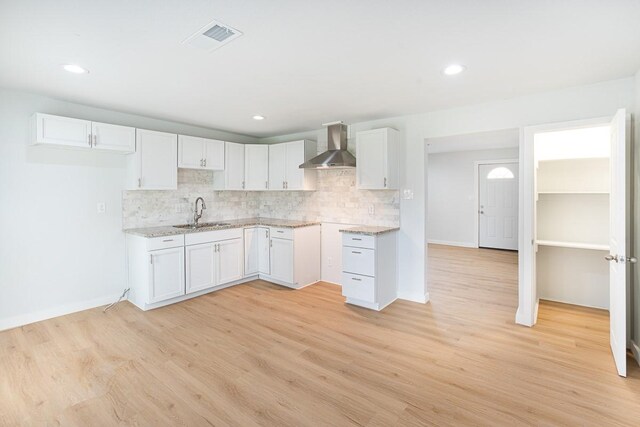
<point>259,354</point>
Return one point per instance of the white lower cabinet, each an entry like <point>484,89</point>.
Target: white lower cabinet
<point>369,269</point>
<point>229,258</point>
<point>168,269</point>
<point>166,274</point>
<point>281,262</point>
<point>200,271</point>
<point>264,251</point>
<point>294,256</point>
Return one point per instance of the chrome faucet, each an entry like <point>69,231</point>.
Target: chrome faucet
<point>197,216</point>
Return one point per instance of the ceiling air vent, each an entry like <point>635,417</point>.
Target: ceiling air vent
<point>212,36</point>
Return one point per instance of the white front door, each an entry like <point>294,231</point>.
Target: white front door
<point>498,206</point>
<point>618,243</point>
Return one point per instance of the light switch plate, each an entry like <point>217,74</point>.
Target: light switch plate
<point>101,207</point>
<point>407,194</point>
<point>372,210</point>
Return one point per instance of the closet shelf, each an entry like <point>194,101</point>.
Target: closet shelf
<point>573,245</point>
<point>573,192</point>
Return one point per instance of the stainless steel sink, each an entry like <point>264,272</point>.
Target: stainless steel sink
<point>201,225</point>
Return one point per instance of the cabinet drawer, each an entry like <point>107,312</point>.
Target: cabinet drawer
<point>359,261</point>
<point>359,287</point>
<point>212,236</point>
<point>165,242</point>
<point>282,233</point>
<point>358,240</point>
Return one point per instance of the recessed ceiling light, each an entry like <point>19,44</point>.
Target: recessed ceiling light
<point>258,117</point>
<point>453,69</point>
<point>76,69</point>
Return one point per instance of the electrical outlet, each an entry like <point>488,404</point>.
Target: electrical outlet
<point>330,261</point>
<point>407,194</point>
<point>101,207</point>
<point>372,210</point>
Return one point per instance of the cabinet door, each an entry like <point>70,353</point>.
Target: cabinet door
<point>371,172</point>
<point>230,261</point>
<point>65,131</point>
<point>166,274</point>
<point>200,267</point>
<point>190,152</point>
<point>264,258</point>
<point>256,166</point>
<point>277,161</point>
<point>113,137</point>
<point>282,260</point>
<point>294,158</point>
<point>251,255</point>
<point>214,154</point>
<point>158,152</point>
<point>234,166</point>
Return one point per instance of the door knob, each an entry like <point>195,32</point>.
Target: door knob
<point>632,259</point>
<point>482,212</point>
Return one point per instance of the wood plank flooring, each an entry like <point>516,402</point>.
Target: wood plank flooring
<point>260,354</point>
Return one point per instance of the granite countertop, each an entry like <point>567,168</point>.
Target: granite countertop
<point>370,230</point>
<point>168,230</point>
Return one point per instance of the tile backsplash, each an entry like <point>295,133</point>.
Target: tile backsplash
<point>335,200</point>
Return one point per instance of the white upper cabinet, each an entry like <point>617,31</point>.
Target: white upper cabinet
<point>200,153</point>
<point>277,162</point>
<point>377,159</point>
<point>284,165</point>
<point>68,132</point>
<point>153,166</point>
<point>256,166</point>
<point>113,137</point>
<point>232,178</point>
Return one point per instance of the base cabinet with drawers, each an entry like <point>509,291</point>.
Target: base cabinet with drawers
<point>369,269</point>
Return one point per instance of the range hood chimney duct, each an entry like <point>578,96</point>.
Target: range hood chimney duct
<point>336,155</point>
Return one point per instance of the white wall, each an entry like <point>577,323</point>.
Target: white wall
<point>57,254</point>
<point>596,100</point>
<point>452,207</point>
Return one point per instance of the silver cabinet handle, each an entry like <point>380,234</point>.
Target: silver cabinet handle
<point>243,185</point>
<point>286,185</point>
<point>89,137</point>
<point>139,182</point>
<point>205,163</point>
<point>279,231</point>
<point>356,279</point>
<point>201,162</point>
<point>95,140</point>
<point>266,184</point>
<point>282,184</point>
<point>168,240</point>
<point>150,259</point>
<point>356,238</point>
<point>266,233</point>
<point>270,243</point>
<point>356,252</point>
<point>385,183</point>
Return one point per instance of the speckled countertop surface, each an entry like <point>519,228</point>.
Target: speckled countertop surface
<point>168,230</point>
<point>370,230</point>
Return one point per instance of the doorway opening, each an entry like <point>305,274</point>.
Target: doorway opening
<point>472,224</point>
<point>575,225</point>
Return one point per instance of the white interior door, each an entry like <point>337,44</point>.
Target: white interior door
<point>498,206</point>
<point>618,243</point>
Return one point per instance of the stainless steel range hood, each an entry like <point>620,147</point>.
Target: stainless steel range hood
<point>337,155</point>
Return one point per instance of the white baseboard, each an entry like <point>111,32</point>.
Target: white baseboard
<point>25,319</point>
<point>635,349</point>
<point>415,297</point>
<point>448,243</point>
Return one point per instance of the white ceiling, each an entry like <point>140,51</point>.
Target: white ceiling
<point>302,63</point>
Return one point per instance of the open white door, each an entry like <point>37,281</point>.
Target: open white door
<point>618,258</point>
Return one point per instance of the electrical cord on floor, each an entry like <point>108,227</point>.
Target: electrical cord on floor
<point>126,291</point>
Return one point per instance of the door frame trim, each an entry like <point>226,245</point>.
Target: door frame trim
<point>527,312</point>
<point>476,192</point>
